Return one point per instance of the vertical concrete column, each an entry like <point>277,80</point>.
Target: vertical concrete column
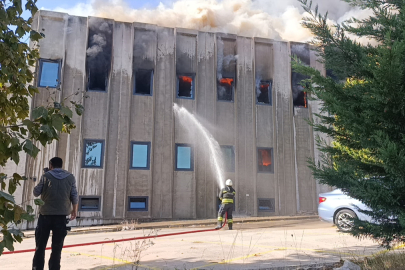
<point>70,145</point>
<point>95,123</point>
<point>246,127</point>
<point>206,183</point>
<point>265,121</point>
<point>226,123</point>
<point>163,141</point>
<point>117,144</point>
<point>142,114</point>
<point>284,140</point>
<point>304,144</point>
<point>184,181</point>
<point>52,47</point>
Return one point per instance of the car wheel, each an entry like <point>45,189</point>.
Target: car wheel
<point>343,220</point>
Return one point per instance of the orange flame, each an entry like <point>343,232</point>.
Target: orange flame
<point>265,157</point>
<point>264,87</point>
<point>186,79</point>
<point>227,81</point>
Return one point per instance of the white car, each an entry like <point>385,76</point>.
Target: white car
<point>337,208</point>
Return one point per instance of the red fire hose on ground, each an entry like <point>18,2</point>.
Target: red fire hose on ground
<point>121,240</point>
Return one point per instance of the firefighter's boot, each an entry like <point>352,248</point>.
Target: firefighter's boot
<point>230,226</point>
<point>219,225</point>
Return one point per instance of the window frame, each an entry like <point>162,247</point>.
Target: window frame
<point>233,90</point>
<point>85,141</point>
<point>193,76</point>
<point>146,209</point>
<point>41,62</point>
<point>272,201</point>
<point>191,157</point>
<point>148,144</point>
<point>270,93</point>
<point>89,197</point>
<point>234,157</point>
<point>151,82</point>
<point>272,159</point>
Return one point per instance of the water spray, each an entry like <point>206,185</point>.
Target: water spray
<point>213,145</point>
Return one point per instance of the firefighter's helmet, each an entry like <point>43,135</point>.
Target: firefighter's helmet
<point>228,182</point>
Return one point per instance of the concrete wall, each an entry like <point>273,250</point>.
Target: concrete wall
<point>118,117</point>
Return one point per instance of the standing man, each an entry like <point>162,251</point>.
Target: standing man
<point>227,196</point>
<point>58,190</point>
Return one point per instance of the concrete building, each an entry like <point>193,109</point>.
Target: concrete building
<point>130,155</point>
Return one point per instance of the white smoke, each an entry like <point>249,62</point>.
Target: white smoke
<point>273,19</point>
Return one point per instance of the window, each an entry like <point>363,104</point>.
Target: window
<point>93,153</point>
<point>89,203</point>
<point>185,86</point>
<point>99,53</point>
<point>225,88</point>
<point>263,92</point>
<point>265,160</point>
<point>228,155</point>
<point>184,157</point>
<point>137,203</point>
<point>266,205</point>
<point>301,100</point>
<point>140,153</point>
<point>49,73</point>
<point>143,82</point>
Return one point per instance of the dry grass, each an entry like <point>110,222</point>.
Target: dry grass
<point>392,261</point>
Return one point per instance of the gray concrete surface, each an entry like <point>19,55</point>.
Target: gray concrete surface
<point>256,245</point>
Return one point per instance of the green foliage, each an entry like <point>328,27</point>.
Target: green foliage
<point>19,133</point>
<point>363,111</point>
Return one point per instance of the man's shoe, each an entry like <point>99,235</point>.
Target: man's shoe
<point>230,226</point>
<point>219,225</point>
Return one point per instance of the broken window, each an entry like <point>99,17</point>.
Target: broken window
<point>225,88</point>
<point>89,203</point>
<point>266,205</point>
<point>143,82</point>
<point>49,73</point>
<point>184,157</point>
<point>140,155</point>
<point>301,100</point>
<point>228,155</point>
<point>185,86</point>
<point>264,92</point>
<point>93,153</point>
<point>265,160</point>
<point>99,51</point>
<point>301,51</point>
<point>138,203</point>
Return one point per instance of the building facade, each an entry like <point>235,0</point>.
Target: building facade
<point>130,155</point>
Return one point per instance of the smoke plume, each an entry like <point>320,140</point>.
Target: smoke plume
<point>274,19</point>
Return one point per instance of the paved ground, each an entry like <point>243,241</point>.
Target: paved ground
<point>261,245</point>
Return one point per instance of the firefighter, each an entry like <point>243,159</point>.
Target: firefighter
<point>227,196</point>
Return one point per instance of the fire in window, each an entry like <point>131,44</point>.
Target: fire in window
<point>185,86</point>
<point>225,88</point>
<point>143,82</point>
<point>263,92</point>
<point>265,160</point>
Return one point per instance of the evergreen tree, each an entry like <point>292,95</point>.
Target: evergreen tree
<point>363,111</point>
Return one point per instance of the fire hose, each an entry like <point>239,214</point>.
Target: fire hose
<point>120,240</point>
